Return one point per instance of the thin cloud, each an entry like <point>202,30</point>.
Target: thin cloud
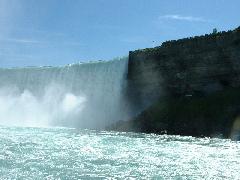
<point>18,55</point>
<point>182,18</point>
<point>38,42</point>
<point>23,41</point>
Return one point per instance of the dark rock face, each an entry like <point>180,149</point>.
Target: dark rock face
<point>199,65</point>
<point>214,115</point>
<point>174,80</point>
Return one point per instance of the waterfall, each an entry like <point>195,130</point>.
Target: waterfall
<point>88,95</point>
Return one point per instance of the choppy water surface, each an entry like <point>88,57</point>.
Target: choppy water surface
<point>34,153</point>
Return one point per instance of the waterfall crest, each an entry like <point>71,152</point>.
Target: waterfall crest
<point>88,95</point>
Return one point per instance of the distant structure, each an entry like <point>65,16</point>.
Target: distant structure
<point>215,31</point>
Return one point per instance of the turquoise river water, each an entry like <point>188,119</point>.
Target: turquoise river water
<point>60,153</point>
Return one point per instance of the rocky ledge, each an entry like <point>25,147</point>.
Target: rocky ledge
<point>189,86</point>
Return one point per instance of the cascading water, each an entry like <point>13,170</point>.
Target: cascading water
<point>92,95</point>
<point>89,95</point>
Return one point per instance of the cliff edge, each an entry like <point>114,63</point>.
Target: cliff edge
<point>189,86</point>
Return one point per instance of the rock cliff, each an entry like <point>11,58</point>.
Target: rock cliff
<point>188,86</point>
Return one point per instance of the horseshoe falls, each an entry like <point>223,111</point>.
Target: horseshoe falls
<point>46,117</point>
<point>89,95</point>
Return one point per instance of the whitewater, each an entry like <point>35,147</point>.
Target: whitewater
<point>61,153</point>
<point>88,95</point>
<point>46,114</point>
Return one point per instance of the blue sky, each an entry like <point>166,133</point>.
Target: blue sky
<point>58,32</point>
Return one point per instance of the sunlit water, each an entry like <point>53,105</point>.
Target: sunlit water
<point>88,95</point>
<point>58,153</point>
